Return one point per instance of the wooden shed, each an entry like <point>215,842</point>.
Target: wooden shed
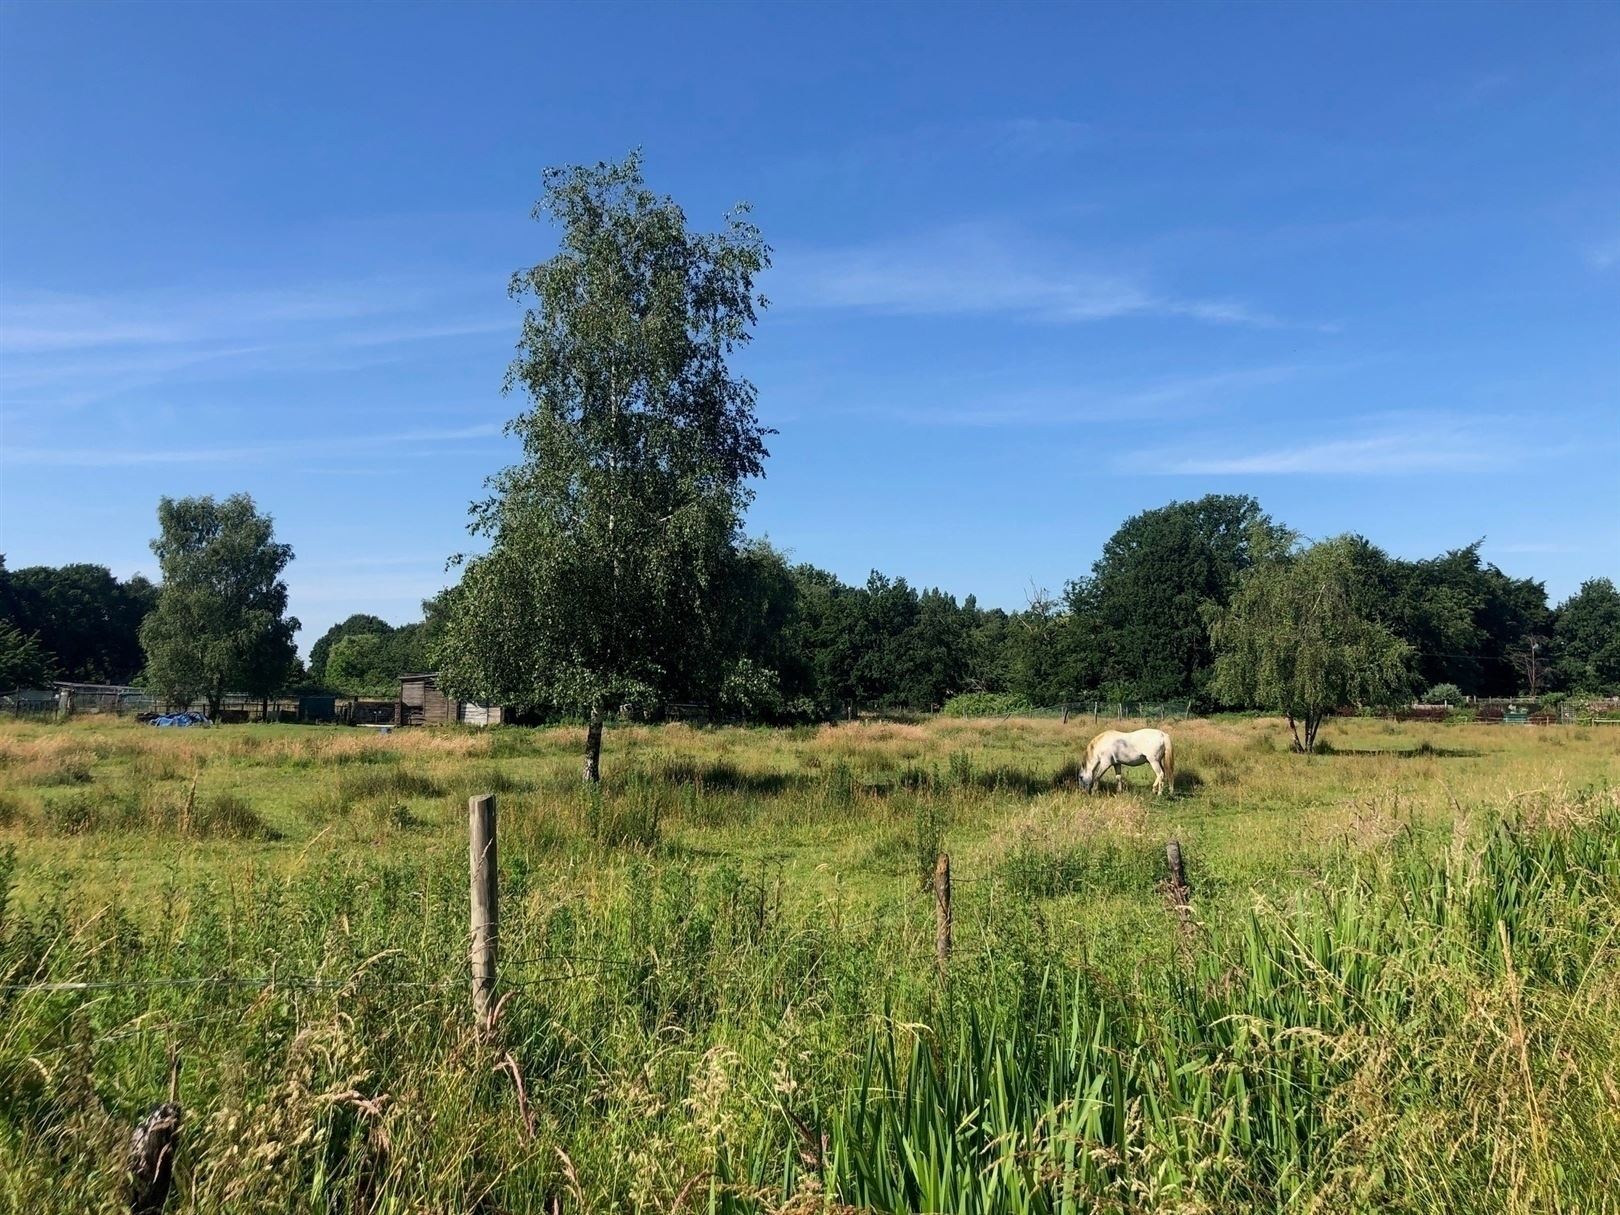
<point>423,703</point>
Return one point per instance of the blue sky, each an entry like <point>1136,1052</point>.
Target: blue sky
<point>1037,268</point>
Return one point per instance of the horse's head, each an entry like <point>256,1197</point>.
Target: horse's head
<point>1088,776</point>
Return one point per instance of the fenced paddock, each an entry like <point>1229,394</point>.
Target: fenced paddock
<point>728,980</point>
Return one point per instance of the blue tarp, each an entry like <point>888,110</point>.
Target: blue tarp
<point>181,719</point>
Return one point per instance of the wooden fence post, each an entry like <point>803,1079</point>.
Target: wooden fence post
<point>485,900</point>
<point>942,911</point>
<point>149,1169</point>
<point>1179,892</point>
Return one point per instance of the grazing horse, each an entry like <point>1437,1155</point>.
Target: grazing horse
<point>1118,750</point>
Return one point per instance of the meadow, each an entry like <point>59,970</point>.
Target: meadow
<point>1396,988</point>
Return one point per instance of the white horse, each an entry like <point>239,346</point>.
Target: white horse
<point>1117,750</point>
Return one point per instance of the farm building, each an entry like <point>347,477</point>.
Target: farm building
<point>422,703</point>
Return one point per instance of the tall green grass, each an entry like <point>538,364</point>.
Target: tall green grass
<point>1424,1017</point>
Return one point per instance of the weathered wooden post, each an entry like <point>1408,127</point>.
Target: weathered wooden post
<point>942,911</point>
<point>485,900</point>
<point>1179,892</point>
<point>1178,876</point>
<point>149,1169</point>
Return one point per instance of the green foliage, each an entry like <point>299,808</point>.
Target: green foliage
<point>359,624</point>
<point>365,656</point>
<point>611,542</point>
<point>750,691</point>
<point>220,623</point>
<point>24,662</point>
<point>986,704</point>
<point>1257,1082</point>
<point>1587,638</point>
<point>1294,639</point>
<point>1142,605</point>
<point>1463,617</point>
<point>1034,869</point>
<point>1443,694</point>
<point>736,1011</point>
<point>84,622</point>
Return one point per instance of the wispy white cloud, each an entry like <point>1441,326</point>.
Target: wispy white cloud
<point>1604,254</point>
<point>977,270</point>
<point>1067,405</point>
<point>66,350</point>
<point>1386,445</point>
<point>429,441</point>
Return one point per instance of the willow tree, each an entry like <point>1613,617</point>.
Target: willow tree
<point>1293,639</point>
<point>611,541</point>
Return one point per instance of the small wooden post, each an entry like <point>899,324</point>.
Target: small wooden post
<point>485,900</point>
<point>1178,878</point>
<point>149,1169</point>
<point>1065,712</point>
<point>942,911</point>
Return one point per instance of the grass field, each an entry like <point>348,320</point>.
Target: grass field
<point>1398,990</point>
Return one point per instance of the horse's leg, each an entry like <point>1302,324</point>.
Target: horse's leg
<point>1158,776</point>
<point>1119,777</point>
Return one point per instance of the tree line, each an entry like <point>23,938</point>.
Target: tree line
<point>808,645</point>
<point>616,575</point>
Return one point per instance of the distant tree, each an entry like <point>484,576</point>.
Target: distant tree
<point>1466,620</point>
<point>83,617</point>
<point>935,657</point>
<point>1294,639</point>
<point>1586,638</point>
<point>1147,591</point>
<point>988,665</point>
<point>827,636</point>
<point>24,663</point>
<point>1035,648</point>
<point>765,611</point>
<point>610,542</point>
<point>220,622</point>
<point>370,663</point>
<point>359,624</point>
<point>360,665</point>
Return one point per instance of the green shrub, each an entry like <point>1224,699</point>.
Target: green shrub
<point>228,816</point>
<point>12,808</point>
<point>1443,694</point>
<point>76,814</point>
<point>61,770</point>
<point>987,704</point>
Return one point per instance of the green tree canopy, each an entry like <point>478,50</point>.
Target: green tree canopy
<point>1586,638</point>
<point>1295,639</point>
<point>370,663</point>
<point>221,621</point>
<point>359,624</point>
<point>86,621</point>
<point>611,542</point>
<point>1147,591</point>
<point>24,663</point>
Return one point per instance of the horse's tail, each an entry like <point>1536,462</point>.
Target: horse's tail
<point>1170,763</point>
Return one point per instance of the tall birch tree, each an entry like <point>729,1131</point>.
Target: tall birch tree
<point>611,540</point>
